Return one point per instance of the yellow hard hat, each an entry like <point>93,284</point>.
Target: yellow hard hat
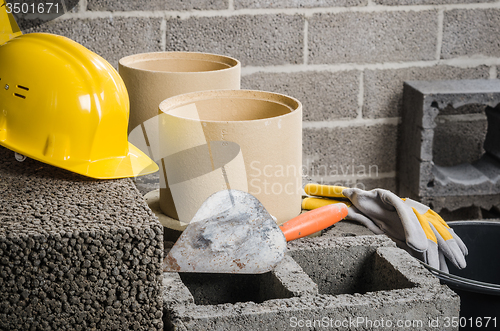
<point>66,106</point>
<point>8,26</point>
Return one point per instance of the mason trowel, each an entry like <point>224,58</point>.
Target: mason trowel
<point>232,232</point>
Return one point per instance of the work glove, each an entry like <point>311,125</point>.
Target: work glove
<point>412,225</point>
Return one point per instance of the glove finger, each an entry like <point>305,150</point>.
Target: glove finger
<point>450,249</point>
<point>355,215</point>
<point>413,231</point>
<point>460,243</point>
<point>442,263</point>
<point>431,255</point>
<point>444,230</point>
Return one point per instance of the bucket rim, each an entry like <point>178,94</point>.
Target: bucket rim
<point>462,283</point>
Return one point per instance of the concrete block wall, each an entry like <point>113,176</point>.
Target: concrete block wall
<point>346,60</point>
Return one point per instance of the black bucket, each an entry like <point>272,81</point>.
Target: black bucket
<point>478,285</point>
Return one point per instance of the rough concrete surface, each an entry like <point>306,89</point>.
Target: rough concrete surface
<point>75,253</point>
<point>148,183</point>
<point>350,151</point>
<point>112,38</point>
<point>467,32</point>
<point>125,5</point>
<point>240,4</point>
<point>128,5</point>
<point>457,142</point>
<point>324,95</point>
<point>384,88</point>
<point>362,279</point>
<point>254,40</point>
<point>357,37</point>
<point>425,2</point>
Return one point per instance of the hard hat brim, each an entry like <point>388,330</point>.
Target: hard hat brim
<point>134,164</point>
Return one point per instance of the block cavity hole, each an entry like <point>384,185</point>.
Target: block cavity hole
<point>466,145</point>
<point>214,289</point>
<point>357,269</point>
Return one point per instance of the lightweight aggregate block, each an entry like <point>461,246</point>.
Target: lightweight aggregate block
<point>254,40</point>
<point>111,38</point>
<point>350,151</point>
<point>358,37</point>
<point>384,88</point>
<point>76,253</point>
<point>241,4</point>
<point>347,283</point>
<point>420,173</point>
<point>325,95</point>
<point>468,32</point>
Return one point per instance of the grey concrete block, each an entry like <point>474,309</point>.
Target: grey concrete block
<point>240,4</point>
<point>370,183</point>
<point>461,214</point>
<point>76,253</point>
<point>469,32</point>
<point>357,37</point>
<point>360,151</point>
<point>290,273</point>
<point>254,40</point>
<point>127,5</point>
<point>458,142</point>
<point>324,95</point>
<point>363,276</point>
<point>111,38</point>
<point>384,88</point>
<point>425,2</point>
<point>351,260</point>
<point>429,168</point>
<point>148,183</point>
<point>130,5</point>
<point>453,203</point>
<point>464,110</point>
<point>346,228</point>
<point>197,5</point>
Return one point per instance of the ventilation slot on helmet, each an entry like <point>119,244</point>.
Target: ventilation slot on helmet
<point>20,96</point>
<point>23,87</point>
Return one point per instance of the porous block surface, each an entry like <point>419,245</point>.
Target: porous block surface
<point>76,253</point>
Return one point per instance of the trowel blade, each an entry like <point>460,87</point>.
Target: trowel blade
<point>232,232</point>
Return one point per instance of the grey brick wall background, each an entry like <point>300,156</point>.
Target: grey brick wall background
<point>346,60</point>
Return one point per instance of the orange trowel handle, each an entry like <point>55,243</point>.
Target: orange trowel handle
<point>313,221</point>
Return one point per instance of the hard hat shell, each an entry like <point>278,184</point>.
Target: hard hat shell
<point>66,106</point>
<point>8,26</point>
